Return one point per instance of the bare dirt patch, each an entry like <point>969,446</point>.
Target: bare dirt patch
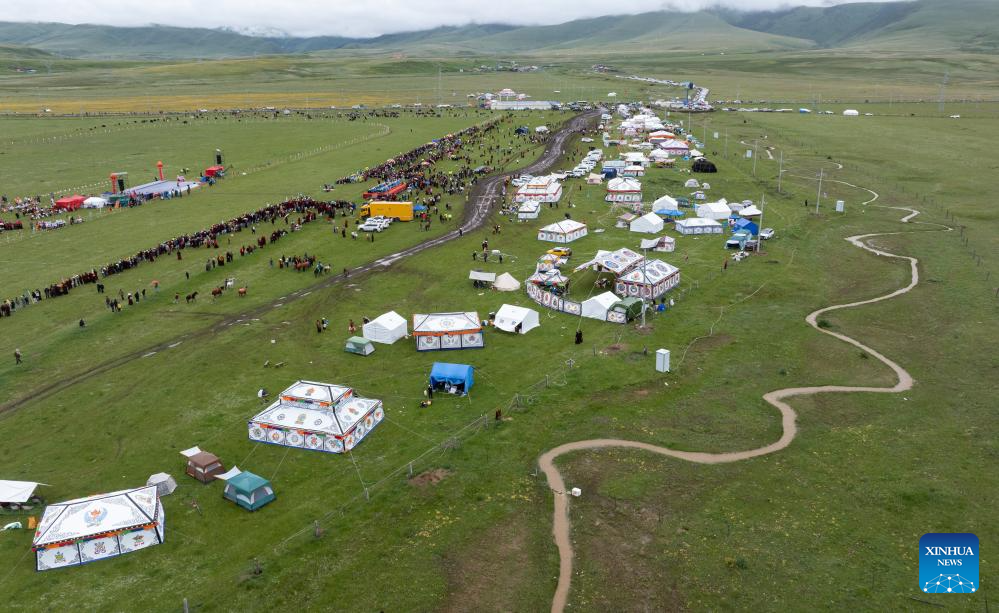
<point>473,573</point>
<point>430,477</point>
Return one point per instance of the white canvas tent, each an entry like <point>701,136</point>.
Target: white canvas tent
<point>387,328</point>
<point>97,527</point>
<point>714,210</point>
<point>751,211</point>
<point>564,231</point>
<point>597,306</point>
<point>528,210</point>
<point>650,223</point>
<point>691,183</point>
<point>95,202</point>
<point>17,491</point>
<point>666,203</point>
<point>506,283</point>
<point>510,318</point>
<point>698,225</point>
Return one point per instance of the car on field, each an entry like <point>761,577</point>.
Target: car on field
<point>767,233</point>
<point>562,252</point>
<point>372,225</point>
<point>578,172</point>
<point>586,139</point>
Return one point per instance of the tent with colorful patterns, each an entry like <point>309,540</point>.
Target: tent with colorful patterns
<point>103,526</point>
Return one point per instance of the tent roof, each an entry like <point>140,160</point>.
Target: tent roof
<point>697,221</point>
<point>566,226</point>
<point>312,393</point>
<point>715,207</point>
<point>514,312</point>
<point>17,491</point>
<point>652,243</point>
<point>506,282</point>
<point>750,211</point>
<point>336,422</point>
<point>84,517</point>
<point>614,261</point>
<point>451,373</point>
<point>247,482</point>
<point>389,320</point>
<point>651,218</point>
<point>605,300</point>
<point>478,275</point>
<point>624,184</point>
<point>653,271</point>
<point>202,458</point>
<point>358,340</point>
<point>665,202</point>
<point>441,323</point>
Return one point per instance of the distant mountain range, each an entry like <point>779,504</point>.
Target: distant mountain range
<point>919,25</point>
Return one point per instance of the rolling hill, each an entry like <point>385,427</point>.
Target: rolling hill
<point>919,25</point>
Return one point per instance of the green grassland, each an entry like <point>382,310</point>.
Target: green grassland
<point>847,501</point>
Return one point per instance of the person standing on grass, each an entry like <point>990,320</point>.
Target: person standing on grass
<point>319,327</point>
<point>17,356</point>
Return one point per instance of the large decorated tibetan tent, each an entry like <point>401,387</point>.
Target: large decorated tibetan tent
<point>317,417</point>
<point>437,331</point>
<point>97,527</point>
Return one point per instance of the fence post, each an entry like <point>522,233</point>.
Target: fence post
<point>186,608</point>
<point>410,469</point>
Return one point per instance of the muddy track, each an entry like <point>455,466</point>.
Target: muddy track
<point>560,519</point>
<point>482,199</point>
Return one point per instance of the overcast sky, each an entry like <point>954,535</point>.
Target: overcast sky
<point>359,18</point>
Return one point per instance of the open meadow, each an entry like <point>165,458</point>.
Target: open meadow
<point>442,508</point>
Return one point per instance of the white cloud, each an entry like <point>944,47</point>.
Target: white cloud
<point>346,18</point>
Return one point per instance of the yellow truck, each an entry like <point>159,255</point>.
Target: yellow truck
<point>399,211</point>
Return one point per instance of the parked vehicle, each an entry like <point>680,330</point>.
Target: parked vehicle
<point>766,233</point>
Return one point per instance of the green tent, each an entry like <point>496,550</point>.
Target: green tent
<point>249,491</point>
<point>631,307</point>
<point>359,345</point>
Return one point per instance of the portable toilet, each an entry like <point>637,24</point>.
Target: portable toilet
<point>662,360</point>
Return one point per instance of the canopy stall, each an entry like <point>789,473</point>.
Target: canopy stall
<point>441,331</point>
<point>17,492</point>
<point>97,527</point>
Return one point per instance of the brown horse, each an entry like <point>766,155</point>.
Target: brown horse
<point>192,297</point>
<point>217,291</point>
<point>241,291</point>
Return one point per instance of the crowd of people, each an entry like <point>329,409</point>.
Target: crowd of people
<point>415,167</point>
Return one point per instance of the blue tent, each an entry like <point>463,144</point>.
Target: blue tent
<point>744,224</point>
<point>670,213</point>
<point>445,375</point>
<point>609,173</point>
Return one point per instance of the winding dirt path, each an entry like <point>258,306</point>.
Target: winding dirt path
<point>777,398</point>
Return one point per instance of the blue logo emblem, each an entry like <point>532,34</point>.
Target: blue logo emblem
<point>948,563</point>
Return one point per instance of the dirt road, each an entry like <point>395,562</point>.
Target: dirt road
<point>482,200</point>
<point>561,524</point>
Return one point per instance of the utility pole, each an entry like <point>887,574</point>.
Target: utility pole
<point>780,172</point>
<point>756,146</point>
<point>759,239</point>
<point>439,84</point>
<point>818,196</point>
